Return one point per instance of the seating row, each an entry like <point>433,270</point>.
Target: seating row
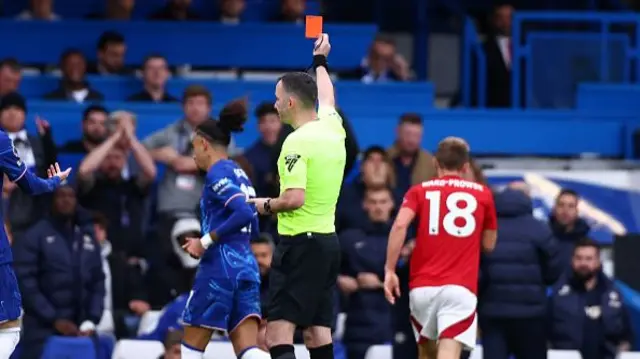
<point>205,44</point>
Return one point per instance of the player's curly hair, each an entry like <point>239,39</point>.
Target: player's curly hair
<point>231,119</point>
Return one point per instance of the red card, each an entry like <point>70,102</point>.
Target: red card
<point>313,27</point>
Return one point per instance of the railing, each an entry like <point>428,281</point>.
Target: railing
<point>472,50</point>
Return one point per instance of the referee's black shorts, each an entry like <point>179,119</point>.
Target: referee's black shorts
<point>302,280</point>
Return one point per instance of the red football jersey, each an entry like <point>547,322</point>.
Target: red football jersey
<point>451,215</point>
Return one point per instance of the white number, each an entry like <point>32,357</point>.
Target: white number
<point>250,192</point>
<point>454,211</point>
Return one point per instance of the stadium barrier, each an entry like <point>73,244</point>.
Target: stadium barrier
<point>208,44</point>
<point>615,98</point>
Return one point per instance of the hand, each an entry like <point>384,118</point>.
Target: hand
<point>259,203</point>
<point>42,125</point>
<point>391,286</point>
<point>347,284</point>
<point>54,171</point>
<point>66,327</point>
<point>322,45</point>
<point>183,164</point>
<point>127,126</point>
<point>139,307</point>
<point>8,187</point>
<point>193,247</point>
<point>368,281</point>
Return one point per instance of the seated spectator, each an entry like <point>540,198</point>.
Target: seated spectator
<point>94,131</point>
<point>60,273</point>
<point>566,224</point>
<point>382,64</point>
<point>512,294</point>
<point>586,311</point>
<point>125,290</point>
<point>155,73</point>
<point>375,173</point>
<point>262,249</point>
<point>231,10</point>
<point>170,319</point>
<point>172,343</point>
<point>292,11</point>
<point>175,10</point>
<point>73,85</point>
<point>37,152</point>
<point>368,313</point>
<point>103,187</point>
<point>111,50</point>
<point>412,164</point>
<point>116,10</point>
<point>259,154</point>
<point>41,10</point>
<point>10,76</point>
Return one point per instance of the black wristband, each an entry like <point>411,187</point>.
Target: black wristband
<point>320,60</point>
<point>267,206</point>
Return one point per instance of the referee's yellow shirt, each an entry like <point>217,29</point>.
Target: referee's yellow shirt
<point>313,158</point>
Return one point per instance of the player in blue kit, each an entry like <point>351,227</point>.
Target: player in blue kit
<point>10,300</point>
<point>226,289</point>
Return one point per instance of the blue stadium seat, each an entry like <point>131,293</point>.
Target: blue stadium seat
<point>263,46</point>
<point>64,347</point>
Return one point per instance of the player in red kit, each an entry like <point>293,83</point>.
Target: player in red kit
<point>455,218</point>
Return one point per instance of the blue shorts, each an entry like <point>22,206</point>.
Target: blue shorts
<point>10,299</point>
<point>221,304</point>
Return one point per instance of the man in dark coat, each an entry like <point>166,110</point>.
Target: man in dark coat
<point>566,224</point>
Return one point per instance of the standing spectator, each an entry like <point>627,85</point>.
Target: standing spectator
<point>155,73</point>
<point>566,224</point>
<point>10,76</point>
<point>412,164</point>
<point>41,10</point>
<point>231,10</point>
<point>60,273</point>
<point>125,291</point>
<point>292,11</point>
<point>375,173</point>
<point>383,63</point>
<point>116,10</point>
<point>586,311</point>
<point>259,154</point>
<point>111,51</point>
<point>73,85</point>
<point>498,49</point>
<point>368,313</point>
<point>37,152</point>
<point>512,293</point>
<point>103,188</point>
<point>176,10</point>
<point>94,131</point>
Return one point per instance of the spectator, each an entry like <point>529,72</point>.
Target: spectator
<point>125,291</point>
<point>292,11</point>
<point>176,10</point>
<point>412,164</point>
<point>382,64</point>
<point>498,49</point>
<point>103,186</point>
<point>231,10</point>
<point>37,152</point>
<point>94,131</point>
<point>73,85</point>
<point>59,269</point>
<point>262,249</point>
<point>259,154</point>
<point>41,10</point>
<point>172,343</point>
<point>10,76</point>
<point>586,311</point>
<point>116,10</point>
<point>368,313</point>
<point>566,225</point>
<point>375,173</point>
<point>111,51</point>
<point>155,73</point>
<point>514,278</point>
<point>170,320</point>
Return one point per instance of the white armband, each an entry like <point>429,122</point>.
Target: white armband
<point>206,241</point>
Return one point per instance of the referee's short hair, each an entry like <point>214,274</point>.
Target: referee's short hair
<point>302,86</point>
<point>452,153</point>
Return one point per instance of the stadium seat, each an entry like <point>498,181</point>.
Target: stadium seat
<point>149,321</point>
<point>63,347</point>
<point>137,349</point>
<point>629,355</point>
<point>563,354</point>
<point>383,351</point>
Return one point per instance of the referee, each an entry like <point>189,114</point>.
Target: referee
<point>307,259</point>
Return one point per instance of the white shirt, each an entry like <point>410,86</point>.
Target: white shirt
<point>504,42</point>
<point>25,151</point>
<point>106,322</point>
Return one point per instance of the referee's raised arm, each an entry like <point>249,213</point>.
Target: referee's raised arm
<point>326,96</point>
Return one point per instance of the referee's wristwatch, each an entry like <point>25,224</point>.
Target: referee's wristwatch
<point>267,206</point>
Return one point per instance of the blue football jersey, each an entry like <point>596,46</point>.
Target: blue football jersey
<point>231,255</point>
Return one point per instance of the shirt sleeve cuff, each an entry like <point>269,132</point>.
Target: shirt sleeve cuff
<point>87,326</point>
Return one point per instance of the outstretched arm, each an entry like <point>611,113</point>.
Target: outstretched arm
<point>17,172</point>
<point>326,96</point>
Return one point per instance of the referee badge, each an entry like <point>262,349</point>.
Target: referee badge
<point>290,161</point>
